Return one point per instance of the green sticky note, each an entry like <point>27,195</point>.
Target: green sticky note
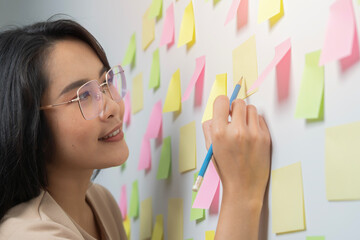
<point>134,200</point>
<point>311,93</point>
<point>130,52</point>
<point>196,213</point>
<point>123,166</point>
<point>315,238</point>
<point>155,71</point>
<point>156,9</point>
<point>164,169</point>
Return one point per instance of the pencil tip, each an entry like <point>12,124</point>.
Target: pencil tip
<point>240,81</point>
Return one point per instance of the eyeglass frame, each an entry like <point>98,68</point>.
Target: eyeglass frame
<point>101,87</point>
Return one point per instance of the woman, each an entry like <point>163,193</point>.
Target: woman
<point>61,118</point>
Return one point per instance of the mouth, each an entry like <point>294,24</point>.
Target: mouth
<point>114,135</point>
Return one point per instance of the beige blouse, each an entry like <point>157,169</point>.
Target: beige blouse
<point>42,218</point>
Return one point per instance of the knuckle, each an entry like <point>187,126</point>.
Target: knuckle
<point>251,108</point>
<point>221,100</point>
<point>217,133</point>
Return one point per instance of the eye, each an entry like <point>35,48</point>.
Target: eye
<point>84,95</point>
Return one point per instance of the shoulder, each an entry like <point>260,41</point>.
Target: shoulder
<point>99,195</point>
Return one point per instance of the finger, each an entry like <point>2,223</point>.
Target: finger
<point>252,117</point>
<point>263,125</point>
<point>220,111</point>
<point>206,129</point>
<point>238,108</point>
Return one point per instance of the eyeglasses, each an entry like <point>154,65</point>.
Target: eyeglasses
<point>90,94</point>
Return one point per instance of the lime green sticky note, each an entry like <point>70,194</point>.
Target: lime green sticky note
<point>287,200</point>
<point>342,165</point>
<point>130,52</point>
<point>145,218</point>
<point>156,9</point>
<point>187,148</point>
<point>134,200</point>
<point>219,87</point>
<point>173,96</point>
<point>268,9</point>
<point>209,235</point>
<point>196,213</point>
<point>315,238</point>
<point>148,30</point>
<point>187,28</point>
<point>158,233</point>
<point>137,94</point>
<point>155,70</point>
<point>312,88</point>
<point>164,169</point>
<point>175,220</point>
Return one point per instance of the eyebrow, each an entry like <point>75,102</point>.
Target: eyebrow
<point>80,82</point>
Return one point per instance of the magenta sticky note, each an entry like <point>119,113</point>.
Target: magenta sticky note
<point>340,31</point>
<point>208,188</point>
<point>280,52</point>
<point>123,202</point>
<point>283,77</point>
<point>127,112</point>
<point>168,33</point>
<point>145,155</point>
<point>232,11</point>
<point>214,207</point>
<point>199,69</point>
<point>154,126</point>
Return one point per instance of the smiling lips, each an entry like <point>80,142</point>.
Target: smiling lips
<point>115,135</point>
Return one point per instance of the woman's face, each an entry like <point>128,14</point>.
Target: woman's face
<point>79,143</point>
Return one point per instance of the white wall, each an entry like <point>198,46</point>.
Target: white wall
<point>113,21</point>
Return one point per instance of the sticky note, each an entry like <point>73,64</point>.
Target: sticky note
<point>173,96</point>
<point>196,213</point>
<point>342,165</point>
<point>341,40</point>
<point>315,238</point>
<point>168,32</point>
<point>245,65</point>
<point>280,52</point>
<point>134,200</point>
<point>127,227</point>
<point>158,233</point>
<point>137,94</point>
<point>164,169</point>
<point>145,155</point>
<point>287,200</point>
<point>214,207</point>
<point>232,11</point>
<point>242,14</point>
<point>155,8</point>
<point>130,52</point>
<point>175,220</point>
<point>208,188</point>
<point>209,235</point>
<point>123,202</point>
<point>198,74</point>
<point>187,147</point>
<point>145,218</point>
<point>127,111</point>
<point>154,127</point>
<point>268,9</point>
<point>148,30</point>
<point>283,77</point>
<point>311,89</point>
<point>187,28</point>
<point>219,87</point>
<point>155,70</point>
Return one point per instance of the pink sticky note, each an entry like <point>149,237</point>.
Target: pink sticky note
<point>145,155</point>
<point>199,68</point>
<point>280,52</point>
<point>214,207</point>
<point>283,77</point>
<point>348,61</point>
<point>168,33</point>
<point>127,112</point>
<point>199,87</point>
<point>208,188</point>
<point>242,13</point>
<point>232,11</point>
<point>123,202</point>
<point>154,126</point>
<point>339,39</point>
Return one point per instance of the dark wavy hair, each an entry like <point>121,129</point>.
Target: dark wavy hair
<point>25,141</point>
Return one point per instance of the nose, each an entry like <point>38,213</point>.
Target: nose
<point>110,108</point>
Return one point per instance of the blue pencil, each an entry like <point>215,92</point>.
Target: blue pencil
<point>209,154</point>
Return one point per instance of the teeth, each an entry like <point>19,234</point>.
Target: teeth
<point>116,132</point>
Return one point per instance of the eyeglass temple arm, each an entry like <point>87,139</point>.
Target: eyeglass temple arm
<point>59,104</point>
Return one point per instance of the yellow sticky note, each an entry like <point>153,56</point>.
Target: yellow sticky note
<point>273,20</point>
<point>219,87</point>
<point>148,30</point>
<point>187,148</point>
<point>145,218</point>
<point>209,235</point>
<point>173,96</point>
<point>175,220</point>
<point>130,52</point>
<point>245,65</point>
<point>342,165</point>
<point>158,233</point>
<point>127,226</point>
<point>268,9</point>
<point>287,200</point>
<point>137,94</point>
<point>187,28</point>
